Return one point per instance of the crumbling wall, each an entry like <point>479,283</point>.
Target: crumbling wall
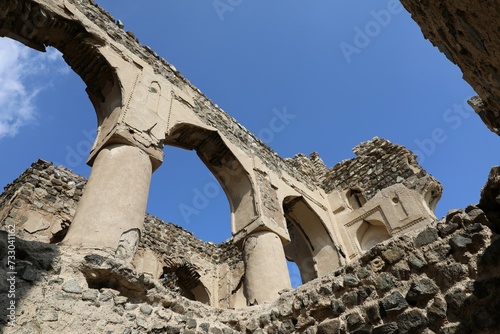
<point>188,262</point>
<point>42,201</point>
<point>378,165</point>
<point>490,198</point>
<point>41,204</point>
<point>467,33</point>
<point>442,279</point>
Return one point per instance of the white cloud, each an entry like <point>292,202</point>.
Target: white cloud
<point>23,75</point>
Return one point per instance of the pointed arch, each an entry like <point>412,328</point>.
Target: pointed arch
<point>225,166</point>
<point>311,246</point>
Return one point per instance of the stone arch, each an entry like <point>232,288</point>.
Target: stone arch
<point>370,233</point>
<point>311,247</point>
<point>38,26</point>
<point>186,277</point>
<point>225,166</point>
<point>201,294</point>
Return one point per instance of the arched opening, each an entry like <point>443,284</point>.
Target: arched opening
<point>42,96</point>
<point>185,280</point>
<point>45,114</point>
<point>81,50</point>
<point>191,196</point>
<point>202,181</point>
<point>225,167</point>
<point>355,198</point>
<point>295,277</point>
<point>371,233</point>
<point>311,247</point>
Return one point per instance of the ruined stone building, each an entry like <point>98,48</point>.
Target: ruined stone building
<point>371,253</point>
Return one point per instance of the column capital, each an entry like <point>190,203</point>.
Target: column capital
<point>125,135</point>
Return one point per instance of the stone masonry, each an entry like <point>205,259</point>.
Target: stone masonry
<point>279,210</point>
<point>467,33</point>
<point>83,256</point>
<point>439,279</point>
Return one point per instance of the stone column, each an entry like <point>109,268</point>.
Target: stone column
<point>266,271</point>
<point>112,208</point>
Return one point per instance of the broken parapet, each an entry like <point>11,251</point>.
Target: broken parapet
<point>42,201</point>
<point>380,164</point>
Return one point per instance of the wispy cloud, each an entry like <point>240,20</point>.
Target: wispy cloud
<point>23,75</point>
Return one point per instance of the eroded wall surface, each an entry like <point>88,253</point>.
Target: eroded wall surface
<point>442,278</point>
<point>41,202</point>
<point>467,33</point>
<point>143,103</point>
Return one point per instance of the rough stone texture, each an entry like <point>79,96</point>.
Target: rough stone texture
<point>490,200</point>
<point>455,290</point>
<point>420,282</point>
<point>177,251</point>
<point>467,33</point>
<point>142,103</point>
<point>378,165</point>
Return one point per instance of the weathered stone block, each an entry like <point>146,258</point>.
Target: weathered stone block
<point>411,321</point>
<point>351,299</point>
<point>373,313</point>
<point>416,262</point>
<point>90,294</point>
<point>436,312</point>
<point>456,302</point>
<point>351,280</point>
<point>72,286</point>
<point>460,242</point>
<point>392,255</point>
<point>338,307</point>
<point>363,273</point>
<point>384,281</point>
<point>325,290</point>
<point>390,328</point>
<point>394,302</point>
<point>354,321</point>
<point>146,309</point>
<point>422,291</point>
<point>330,326</point>
<point>426,237</point>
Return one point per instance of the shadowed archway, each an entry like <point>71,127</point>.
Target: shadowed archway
<point>311,246</point>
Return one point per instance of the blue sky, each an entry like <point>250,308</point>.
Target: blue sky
<point>346,70</point>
